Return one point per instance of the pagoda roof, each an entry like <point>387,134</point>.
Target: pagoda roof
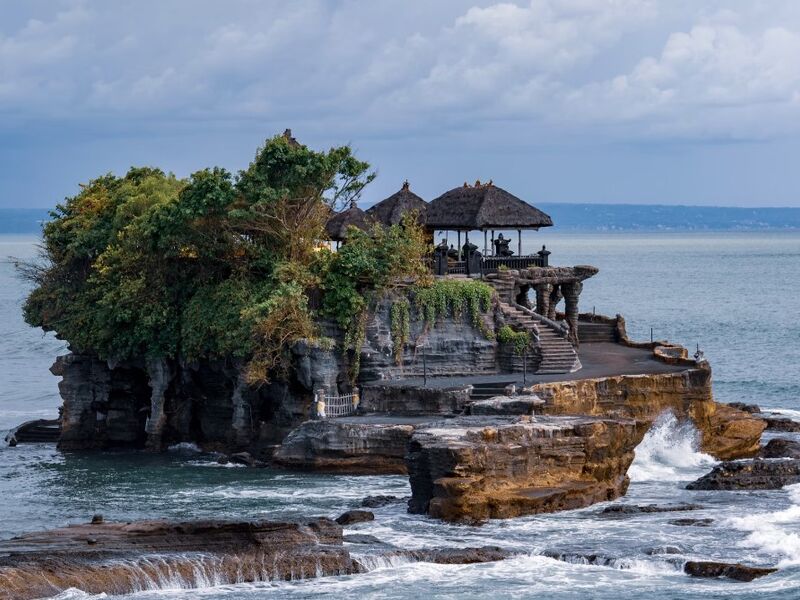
<point>481,207</point>
<point>391,210</point>
<point>337,224</point>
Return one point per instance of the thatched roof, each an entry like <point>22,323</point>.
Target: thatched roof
<point>391,210</point>
<point>483,206</point>
<point>337,225</point>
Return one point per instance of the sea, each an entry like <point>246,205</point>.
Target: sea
<point>736,296</point>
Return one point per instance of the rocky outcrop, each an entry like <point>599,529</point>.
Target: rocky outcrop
<point>378,501</point>
<point>780,448</point>
<point>753,409</point>
<point>476,468</point>
<point>634,509</point>
<point>783,424</point>
<point>725,432</point>
<point>101,409</point>
<point>119,558</point>
<point>453,556</point>
<point>351,517</point>
<point>736,571</point>
<point>158,403</point>
<point>122,558</point>
<point>507,405</point>
<point>691,522</point>
<point>755,474</point>
<point>348,445</point>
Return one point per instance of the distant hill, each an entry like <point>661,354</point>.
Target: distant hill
<point>643,217</point>
<point>22,220</point>
<point>572,217</point>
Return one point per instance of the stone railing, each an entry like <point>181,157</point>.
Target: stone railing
<point>483,265</point>
<point>560,327</point>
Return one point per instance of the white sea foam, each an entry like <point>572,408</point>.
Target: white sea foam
<point>205,463</point>
<point>76,594</point>
<point>375,562</point>
<point>774,533</point>
<point>669,452</point>
<point>184,447</point>
<point>786,412</point>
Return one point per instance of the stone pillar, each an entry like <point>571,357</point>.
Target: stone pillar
<point>319,404</point>
<point>571,293</point>
<point>555,298</point>
<point>241,419</point>
<point>543,291</point>
<point>85,390</point>
<point>159,373</point>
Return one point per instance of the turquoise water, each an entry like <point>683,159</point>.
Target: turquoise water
<point>737,295</point>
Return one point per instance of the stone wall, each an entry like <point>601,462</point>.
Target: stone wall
<point>413,400</point>
<point>452,347</point>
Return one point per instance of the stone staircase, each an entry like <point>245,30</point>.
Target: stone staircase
<point>558,354</point>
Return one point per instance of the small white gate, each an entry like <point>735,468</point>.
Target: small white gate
<point>330,407</point>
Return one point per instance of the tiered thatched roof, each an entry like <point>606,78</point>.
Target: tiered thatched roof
<point>481,207</point>
<point>391,210</point>
<point>337,225</point>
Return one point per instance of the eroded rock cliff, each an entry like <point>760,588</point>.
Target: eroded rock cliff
<point>725,432</point>
<point>477,468</point>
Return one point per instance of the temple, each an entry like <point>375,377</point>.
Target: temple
<point>528,288</point>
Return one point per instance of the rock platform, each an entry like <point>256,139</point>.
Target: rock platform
<point>471,469</point>
<point>121,558</point>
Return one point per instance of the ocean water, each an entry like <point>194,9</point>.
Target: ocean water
<point>736,295</point>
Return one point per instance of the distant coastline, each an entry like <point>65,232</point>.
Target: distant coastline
<point>669,218</point>
<point>23,220</point>
<point>608,218</point>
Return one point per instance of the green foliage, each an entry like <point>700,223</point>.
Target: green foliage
<point>454,297</point>
<point>520,340</point>
<point>366,265</point>
<point>400,327</point>
<point>148,265</point>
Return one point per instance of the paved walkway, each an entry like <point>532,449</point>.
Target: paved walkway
<point>601,359</point>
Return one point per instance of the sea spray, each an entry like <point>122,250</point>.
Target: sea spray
<point>776,533</point>
<point>669,452</point>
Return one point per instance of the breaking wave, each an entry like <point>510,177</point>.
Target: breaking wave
<point>185,447</point>
<point>771,533</point>
<point>669,452</point>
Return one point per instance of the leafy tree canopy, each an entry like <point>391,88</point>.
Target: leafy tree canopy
<point>213,266</point>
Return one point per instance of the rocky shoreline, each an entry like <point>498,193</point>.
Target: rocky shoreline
<point>120,558</point>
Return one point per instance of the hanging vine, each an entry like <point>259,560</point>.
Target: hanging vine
<point>400,328</point>
<point>454,297</point>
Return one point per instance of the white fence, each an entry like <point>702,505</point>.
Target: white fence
<point>330,407</point>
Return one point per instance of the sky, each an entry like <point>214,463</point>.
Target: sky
<point>601,101</point>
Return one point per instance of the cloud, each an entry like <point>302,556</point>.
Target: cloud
<point>724,69</point>
<point>713,80</point>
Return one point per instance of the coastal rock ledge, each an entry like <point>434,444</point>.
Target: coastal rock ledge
<point>471,469</point>
<point>122,558</point>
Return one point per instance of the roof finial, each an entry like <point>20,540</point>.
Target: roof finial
<point>491,182</point>
<point>287,135</point>
<point>353,203</point>
<point>466,184</point>
<point>405,185</point>
<point>477,183</point>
